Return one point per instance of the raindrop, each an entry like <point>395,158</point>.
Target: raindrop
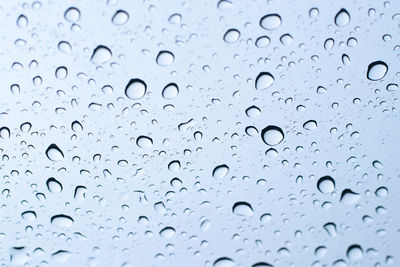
<point>62,220</point>
<point>272,135</point>
<point>231,36</point>
<point>120,17</point>
<point>174,166</point>
<point>342,18</point>
<point>53,185</point>
<point>220,171</point>
<point>29,215</point>
<point>5,133</point>
<point>253,111</point>
<point>263,41</point>
<point>22,21</point>
<point>377,70</point>
<point>165,58</point>
<point>101,55</point>
<point>261,264</point>
<point>72,14</point>
<point>264,80</point>
<point>54,153</point>
<point>349,197</point>
<point>61,73</point>
<point>377,164</point>
<point>76,126</point>
<point>170,91</point>
<point>135,89</point>
<point>175,18</point>
<point>167,232</point>
<point>326,185</point>
<point>330,228</point>
<point>224,262</point>
<point>354,252</point>
<point>144,142</point>
<point>310,125</point>
<point>242,209</point>
<point>271,22</point>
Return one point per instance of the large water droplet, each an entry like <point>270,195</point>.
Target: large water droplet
<point>101,55</point>
<point>349,197</point>
<point>170,91</point>
<point>53,185</point>
<point>220,171</point>
<point>271,22</point>
<point>310,125</point>
<point>242,209</point>
<point>54,153</point>
<point>5,133</point>
<point>326,184</point>
<point>61,73</point>
<point>342,18</point>
<point>165,58</point>
<point>354,252</point>
<point>224,262</point>
<point>135,89</point>
<point>264,80</point>
<point>167,232</point>
<point>29,215</point>
<point>120,17</point>
<point>144,142</point>
<point>272,135</point>
<point>72,14</point>
<point>377,70</point>
<point>231,36</point>
<point>62,220</point>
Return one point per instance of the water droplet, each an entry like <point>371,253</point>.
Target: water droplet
<point>135,89</point>
<point>80,193</point>
<point>61,256</point>
<point>272,135</point>
<point>377,70</point>
<point>174,166</point>
<point>381,192</point>
<point>354,252</point>
<point>53,185</point>
<point>101,55</point>
<point>165,58</point>
<point>310,125</point>
<point>220,171</point>
<point>231,36</point>
<point>377,164</point>
<point>330,228</point>
<point>61,73</point>
<point>72,14</point>
<point>392,87</point>
<point>29,215</point>
<point>261,264</point>
<point>144,142</point>
<point>167,232</point>
<point>224,262</point>
<point>242,209</point>
<point>263,41</point>
<point>326,185</point>
<point>342,18</point>
<point>271,22</point>
<point>76,126</point>
<point>349,197</point>
<point>54,153</point>
<point>62,220</point>
<point>5,133</point>
<point>170,91</point>
<point>264,80</point>
<point>22,21</point>
<point>120,17</point>
<point>253,111</point>
<point>266,217</point>
<point>175,18</point>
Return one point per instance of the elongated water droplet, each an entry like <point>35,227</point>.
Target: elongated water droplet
<point>120,17</point>
<point>271,22</point>
<point>54,153</point>
<point>342,18</point>
<point>349,197</point>
<point>264,80</point>
<point>377,70</point>
<point>101,55</point>
<point>62,220</point>
<point>53,185</point>
<point>231,36</point>
<point>220,171</point>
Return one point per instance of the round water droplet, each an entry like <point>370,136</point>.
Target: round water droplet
<point>253,111</point>
<point>231,36</point>
<point>264,80</point>
<point>25,127</point>
<point>53,185</point>
<point>175,18</point>
<point>165,58</point>
<point>62,220</point>
<point>61,73</point>
<point>354,252</point>
<point>266,217</point>
<point>144,142</point>
<point>242,209</point>
<point>72,14</point>
<point>310,125</point>
<point>381,192</point>
<point>101,55</point>
<point>377,70</point>
<point>174,165</point>
<point>272,135</point>
<point>54,153</point>
<point>120,17</point>
<point>271,22</point>
<point>263,41</point>
<point>64,47</point>
<point>170,91</point>
<point>342,18</point>
<point>135,89</point>
<point>220,171</point>
<point>224,262</point>
<point>326,185</point>
<point>167,232</point>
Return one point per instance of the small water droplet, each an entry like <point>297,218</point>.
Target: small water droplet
<point>53,185</point>
<point>144,142</point>
<point>272,135</point>
<point>170,91</point>
<point>167,232</point>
